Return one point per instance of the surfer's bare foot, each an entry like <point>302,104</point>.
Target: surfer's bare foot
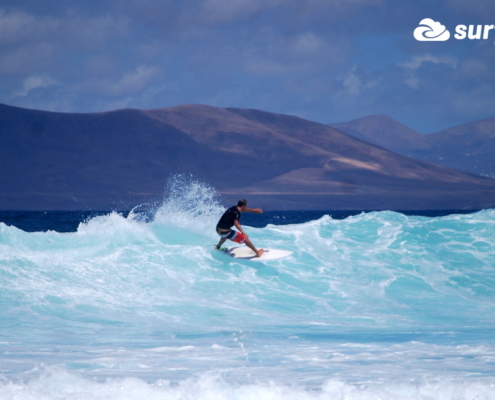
<point>260,252</point>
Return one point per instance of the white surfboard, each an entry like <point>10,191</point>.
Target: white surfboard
<point>245,253</point>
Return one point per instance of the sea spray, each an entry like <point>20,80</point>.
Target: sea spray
<point>189,204</point>
<point>62,385</point>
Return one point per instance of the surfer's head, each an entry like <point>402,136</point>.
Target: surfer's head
<point>242,203</point>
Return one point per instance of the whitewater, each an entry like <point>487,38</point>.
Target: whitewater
<point>375,306</point>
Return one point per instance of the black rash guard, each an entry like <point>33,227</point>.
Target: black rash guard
<point>228,218</point>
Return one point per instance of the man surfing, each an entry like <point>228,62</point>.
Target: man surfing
<point>230,218</point>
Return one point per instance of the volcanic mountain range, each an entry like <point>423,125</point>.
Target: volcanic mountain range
<point>122,158</point>
<point>469,147</point>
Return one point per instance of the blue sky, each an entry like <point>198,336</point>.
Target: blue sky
<point>324,60</point>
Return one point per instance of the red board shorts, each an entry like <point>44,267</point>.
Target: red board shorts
<point>235,236</point>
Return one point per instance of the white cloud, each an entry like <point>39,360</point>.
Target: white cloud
<point>22,27</point>
<point>215,11</point>
<point>296,55</point>
<point>36,45</point>
<point>228,10</point>
<point>417,61</point>
<point>355,84</point>
<point>16,26</point>
<point>308,43</point>
<point>34,82</point>
<point>129,84</point>
<point>114,104</point>
<point>352,83</point>
<point>96,31</point>
<point>412,80</point>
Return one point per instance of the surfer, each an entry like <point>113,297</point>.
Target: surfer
<point>230,218</point>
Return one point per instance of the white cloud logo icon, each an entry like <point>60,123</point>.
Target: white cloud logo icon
<point>429,30</point>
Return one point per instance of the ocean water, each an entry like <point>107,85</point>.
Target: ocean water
<point>377,305</point>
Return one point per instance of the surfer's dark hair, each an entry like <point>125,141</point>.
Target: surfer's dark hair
<point>242,203</point>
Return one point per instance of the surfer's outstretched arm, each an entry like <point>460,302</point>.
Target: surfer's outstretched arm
<point>254,210</point>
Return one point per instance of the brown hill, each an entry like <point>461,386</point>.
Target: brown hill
<point>469,147</point>
<point>386,132</point>
<point>121,158</point>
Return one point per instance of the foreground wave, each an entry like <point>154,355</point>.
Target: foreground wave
<point>59,384</point>
<point>379,304</point>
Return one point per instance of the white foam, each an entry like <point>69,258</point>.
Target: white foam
<point>191,205</point>
<point>62,385</point>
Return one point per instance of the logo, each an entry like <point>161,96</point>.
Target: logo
<point>429,30</point>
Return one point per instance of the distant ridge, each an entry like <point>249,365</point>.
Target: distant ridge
<point>385,131</point>
<point>469,147</point>
<point>122,158</point>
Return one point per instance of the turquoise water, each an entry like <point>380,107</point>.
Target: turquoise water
<point>374,306</point>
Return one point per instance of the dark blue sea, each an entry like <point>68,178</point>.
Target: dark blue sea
<point>69,221</point>
<point>138,305</point>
